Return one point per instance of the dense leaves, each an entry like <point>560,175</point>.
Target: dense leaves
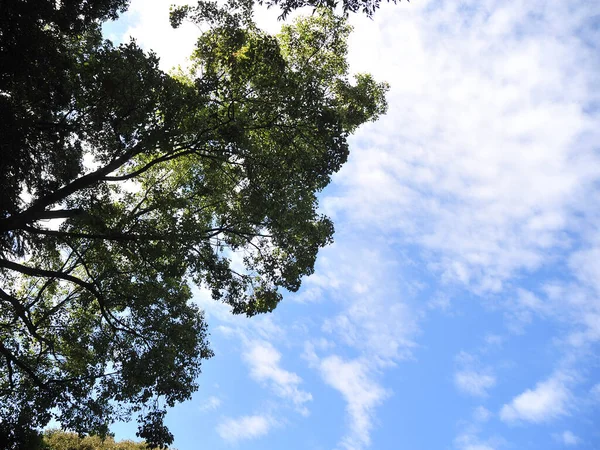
<point>122,184</point>
<point>60,440</point>
<point>367,7</point>
<point>37,55</point>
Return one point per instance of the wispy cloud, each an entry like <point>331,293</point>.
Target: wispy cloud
<point>471,378</point>
<point>244,428</point>
<point>210,404</point>
<point>264,362</point>
<point>362,394</point>
<point>470,440</point>
<point>470,436</point>
<point>375,315</point>
<point>482,414</point>
<point>547,401</point>
<point>568,438</point>
<point>474,383</point>
<point>375,321</point>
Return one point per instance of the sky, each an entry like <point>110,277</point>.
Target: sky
<point>459,306</point>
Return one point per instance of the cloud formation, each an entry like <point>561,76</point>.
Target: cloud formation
<point>243,428</point>
<point>210,404</point>
<point>487,150</point>
<point>362,394</point>
<point>473,382</point>
<point>264,362</point>
<point>568,438</point>
<point>547,401</point>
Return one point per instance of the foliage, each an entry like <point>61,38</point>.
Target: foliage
<point>367,7</point>
<point>120,183</point>
<point>60,440</point>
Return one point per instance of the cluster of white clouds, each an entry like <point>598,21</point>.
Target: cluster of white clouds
<point>549,400</point>
<point>486,153</point>
<point>264,363</point>
<point>487,163</point>
<point>374,322</point>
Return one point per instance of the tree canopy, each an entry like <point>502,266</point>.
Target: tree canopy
<point>367,7</point>
<point>123,185</point>
<point>61,440</point>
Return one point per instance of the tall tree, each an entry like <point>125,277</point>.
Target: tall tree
<point>121,185</point>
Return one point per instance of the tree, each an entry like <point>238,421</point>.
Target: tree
<point>122,185</point>
<point>60,440</point>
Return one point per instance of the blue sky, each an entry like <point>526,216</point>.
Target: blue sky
<point>459,307</point>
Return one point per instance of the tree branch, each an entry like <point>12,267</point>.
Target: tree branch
<point>37,209</point>
<point>24,367</point>
<point>21,312</point>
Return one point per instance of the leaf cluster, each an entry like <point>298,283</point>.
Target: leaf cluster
<point>368,7</point>
<point>61,440</point>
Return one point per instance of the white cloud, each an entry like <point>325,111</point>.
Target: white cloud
<point>245,428</point>
<point>375,316</point>
<point>476,446</point>
<point>524,306</point>
<point>470,436</point>
<point>486,159</point>
<point>373,319</point>
<point>482,414</point>
<point>362,394</point>
<point>486,153</point>
<point>586,266</point>
<point>440,302</point>
<point>473,382</point>
<point>568,438</point>
<point>470,440</point>
<point>383,329</point>
<point>211,404</point>
<point>549,400</point>
<point>494,340</point>
<point>264,362</point>
<point>470,378</point>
